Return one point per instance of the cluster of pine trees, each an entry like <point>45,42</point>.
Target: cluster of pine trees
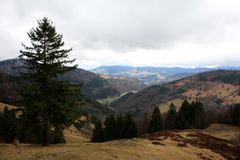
<point>190,115</point>
<point>115,127</point>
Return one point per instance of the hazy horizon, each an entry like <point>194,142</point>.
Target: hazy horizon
<point>156,33</point>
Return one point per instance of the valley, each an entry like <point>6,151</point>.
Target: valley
<point>217,90</point>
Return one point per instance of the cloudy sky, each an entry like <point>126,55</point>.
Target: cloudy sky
<point>131,32</point>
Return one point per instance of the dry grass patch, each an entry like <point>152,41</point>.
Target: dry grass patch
<point>177,145</point>
<point>223,131</point>
<point>197,140</point>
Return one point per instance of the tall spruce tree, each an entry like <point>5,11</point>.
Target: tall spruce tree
<point>48,101</point>
<point>183,117</point>
<point>171,117</point>
<point>155,123</point>
<point>110,127</point>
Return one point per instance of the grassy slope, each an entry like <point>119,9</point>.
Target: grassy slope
<point>165,147</point>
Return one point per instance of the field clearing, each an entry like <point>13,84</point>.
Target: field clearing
<point>177,145</point>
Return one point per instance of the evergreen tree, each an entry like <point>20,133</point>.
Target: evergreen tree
<point>155,123</point>
<point>199,116</point>
<point>119,126</point>
<point>191,116</point>
<point>171,117</point>
<point>129,127</point>
<point>98,133</point>
<point>110,127</point>
<point>48,101</point>
<point>115,128</point>
<point>183,116</point>
<point>236,114</point>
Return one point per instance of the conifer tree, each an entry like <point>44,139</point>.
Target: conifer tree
<point>129,127</point>
<point>183,116</point>
<point>48,101</point>
<point>110,127</point>
<point>236,114</point>
<point>199,120</point>
<point>119,126</point>
<point>171,117</point>
<point>98,133</point>
<point>155,123</point>
<point>115,128</point>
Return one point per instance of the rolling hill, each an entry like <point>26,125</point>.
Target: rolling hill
<point>216,89</point>
<point>95,86</point>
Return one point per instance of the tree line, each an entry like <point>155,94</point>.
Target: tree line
<point>190,115</point>
<point>115,127</point>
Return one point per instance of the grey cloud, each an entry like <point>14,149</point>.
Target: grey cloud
<point>122,25</point>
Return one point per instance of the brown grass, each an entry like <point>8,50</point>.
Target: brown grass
<point>177,145</point>
<point>223,131</point>
<point>195,138</point>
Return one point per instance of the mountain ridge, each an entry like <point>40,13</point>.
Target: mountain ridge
<point>155,75</point>
<point>95,87</point>
<point>216,89</point>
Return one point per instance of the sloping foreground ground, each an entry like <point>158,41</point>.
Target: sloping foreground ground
<point>174,145</point>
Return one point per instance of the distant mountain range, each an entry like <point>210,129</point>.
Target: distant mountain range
<point>215,89</point>
<point>154,75</point>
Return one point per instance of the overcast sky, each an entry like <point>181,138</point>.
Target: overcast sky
<point>131,32</point>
